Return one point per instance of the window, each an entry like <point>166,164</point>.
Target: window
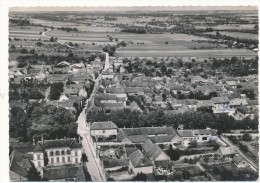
<point>51,153</point>
<point>104,131</point>
<point>204,138</point>
<point>58,159</point>
<point>62,152</point>
<point>63,159</point>
<point>68,151</point>
<point>76,160</point>
<point>68,159</point>
<point>76,153</point>
<point>38,156</point>
<point>57,152</point>
<point>39,164</point>
<point>52,160</point>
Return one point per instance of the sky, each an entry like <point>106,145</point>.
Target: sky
<point>161,8</point>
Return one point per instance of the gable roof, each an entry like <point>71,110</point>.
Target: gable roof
<point>204,103</point>
<point>15,103</point>
<point>238,101</point>
<point>58,143</point>
<point>153,151</point>
<point>185,133</point>
<point>60,172</point>
<point>245,110</point>
<point>238,159</point>
<point>83,174</point>
<point>115,90</point>
<point>219,100</point>
<point>139,160</point>
<point>228,150</point>
<point>109,163</point>
<point>103,125</point>
<point>19,163</point>
<point>105,97</point>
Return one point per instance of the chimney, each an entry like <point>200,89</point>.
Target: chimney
<point>33,141</point>
<point>42,139</point>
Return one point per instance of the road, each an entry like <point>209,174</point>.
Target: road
<point>249,160</point>
<point>58,41</point>
<point>83,130</point>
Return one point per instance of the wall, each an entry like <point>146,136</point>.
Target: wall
<point>105,133</point>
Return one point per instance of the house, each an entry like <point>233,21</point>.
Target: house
<point>114,164</point>
<point>138,163</point>
<point>16,103</point>
<point>75,173</point>
<point>240,162</point>
<point>59,152</point>
<point>109,107</point>
<point>235,103</point>
<point>227,152</point>
<point>197,79</point>
<point>103,129</point>
<point>232,84</point>
<point>19,165</point>
<point>204,103</point>
<point>57,78</point>
<point>243,112</point>
<point>159,135</point>
<point>108,75</point>
<point>64,97</point>
<point>155,154</point>
<point>133,90</point>
<point>220,105</point>
<point>198,135</point>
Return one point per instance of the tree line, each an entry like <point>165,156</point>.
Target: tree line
<point>191,120</point>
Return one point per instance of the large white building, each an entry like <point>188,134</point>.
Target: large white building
<point>57,152</point>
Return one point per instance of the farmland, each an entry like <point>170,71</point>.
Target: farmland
<point>192,53</point>
<point>241,35</point>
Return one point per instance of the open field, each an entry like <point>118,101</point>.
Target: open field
<point>229,26</point>
<point>226,53</point>
<point>236,34</point>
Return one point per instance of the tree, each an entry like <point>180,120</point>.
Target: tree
<point>39,43</point>
<point>140,177</point>
<point>246,137</point>
<point>52,39</point>
<point>32,51</point>
<point>55,90</point>
<point>24,51</point>
<point>123,43</point>
<point>111,38</point>
<point>193,144</point>
<point>174,154</point>
<point>18,123</point>
<point>33,174</point>
<point>186,175</point>
<point>13,47</point>
<point>163,69</point>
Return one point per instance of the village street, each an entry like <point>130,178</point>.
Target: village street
<point>93,165</point>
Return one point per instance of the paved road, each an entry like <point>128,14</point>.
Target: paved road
<point>83,130</point>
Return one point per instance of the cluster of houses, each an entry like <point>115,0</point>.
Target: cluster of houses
<point>143,149</point>
<point>163,92</point>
